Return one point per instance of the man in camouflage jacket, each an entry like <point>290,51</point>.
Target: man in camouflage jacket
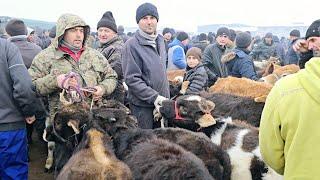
<point>69,53</point>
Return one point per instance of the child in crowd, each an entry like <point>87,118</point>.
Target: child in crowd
<point>196,74</point>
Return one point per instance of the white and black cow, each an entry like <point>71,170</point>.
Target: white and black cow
<point>238,139</point>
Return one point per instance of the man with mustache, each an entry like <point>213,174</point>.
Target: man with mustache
<point>144,67</point>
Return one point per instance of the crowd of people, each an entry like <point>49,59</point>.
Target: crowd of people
<point>133,67</point>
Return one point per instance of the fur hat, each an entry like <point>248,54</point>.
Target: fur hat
<point>16,27</point>
<point>223,31</point>
<point>243,40</point>
<point>145,10</point>
<point>295,33</point>
<point>194,51</point>
<point>182,36</point>
<point>108,21</point>
<point>314,29</point>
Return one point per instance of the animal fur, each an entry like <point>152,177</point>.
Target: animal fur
<point>159,159</point>
<point>95,160</point>
<point>242,87</point>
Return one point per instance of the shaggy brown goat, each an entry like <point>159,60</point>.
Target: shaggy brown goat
<point>94,160</point>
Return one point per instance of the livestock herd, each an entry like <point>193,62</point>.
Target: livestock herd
<point>213,135</point>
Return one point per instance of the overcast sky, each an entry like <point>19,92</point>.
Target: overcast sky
<point>179,14</point>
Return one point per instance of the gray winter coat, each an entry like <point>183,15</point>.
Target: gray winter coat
<point>17,97</point>
<point>144,70</point>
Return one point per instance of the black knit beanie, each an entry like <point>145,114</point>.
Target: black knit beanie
<point>223,31</point>
<point>16,27</point>
<point>314,29</point>
<point>108,21</point>
<point>145,10</point>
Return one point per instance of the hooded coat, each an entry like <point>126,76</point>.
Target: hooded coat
<point>92,66</point>
<point>289,129</point>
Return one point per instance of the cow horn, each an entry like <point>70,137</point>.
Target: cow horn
<point>74,125</point>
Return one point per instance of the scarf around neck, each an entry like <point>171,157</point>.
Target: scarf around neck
<point>151,38</point>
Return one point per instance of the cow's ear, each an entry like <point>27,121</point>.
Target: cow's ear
<point>74,124</point>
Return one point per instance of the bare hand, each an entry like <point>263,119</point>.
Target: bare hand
<point>300,45</point>
<point>30,120</point>
<point>99,93</point>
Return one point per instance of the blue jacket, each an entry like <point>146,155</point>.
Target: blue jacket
<point>292,57</point>
<point>176,55</point>
<point>144,70</point>
<point>17,96</point>
<point>241,65</point>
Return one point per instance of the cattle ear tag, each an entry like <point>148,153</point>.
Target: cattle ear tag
<point>206,120</point>
<point>74,124</point>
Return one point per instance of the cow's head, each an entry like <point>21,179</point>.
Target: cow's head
<point>68,125</point>
<point>190,112</point>
<point>112,119</point>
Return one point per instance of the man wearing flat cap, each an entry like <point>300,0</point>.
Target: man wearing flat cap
<point>212,56</point>
<point>144,67</point>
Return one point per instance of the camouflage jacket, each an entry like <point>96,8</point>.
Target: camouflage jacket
<point>112,51</point>
<point>263,51</point>
<point>92,67</point>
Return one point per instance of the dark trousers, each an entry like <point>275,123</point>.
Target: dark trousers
<point>13,155</point>
<point>144,116</point>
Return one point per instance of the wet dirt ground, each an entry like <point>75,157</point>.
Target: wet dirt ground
<point>38,155</point>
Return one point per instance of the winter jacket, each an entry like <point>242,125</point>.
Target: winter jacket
<point>28,50</point>
<point>289,129</point>
<point>111,50</point>
<point>212,61</point>
<point>92,66</point>
<point>240,65</point>
<point>263,51</point>
<point>17,97</point>
<point>280,51</point>
<point>176,56</point>
<point>197,78</point>
<point>292,57</point>
<point>144,70</point>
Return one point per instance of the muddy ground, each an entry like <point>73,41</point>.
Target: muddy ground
<point>38,155</point>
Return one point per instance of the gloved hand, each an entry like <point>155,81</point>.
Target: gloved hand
<point>158,102</point>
